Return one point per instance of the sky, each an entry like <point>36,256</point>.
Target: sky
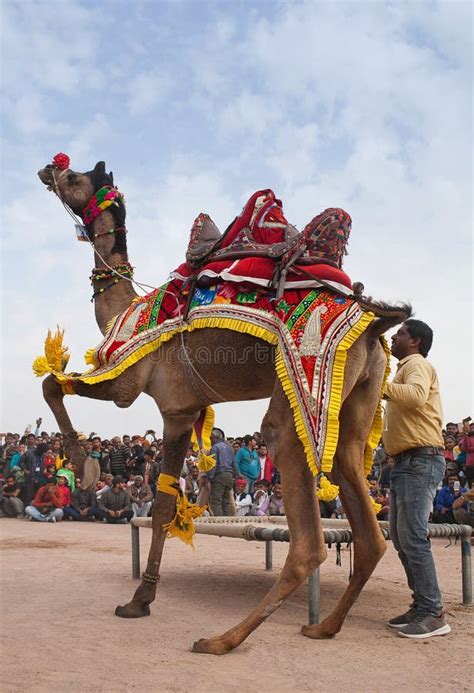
<point>194,105</point>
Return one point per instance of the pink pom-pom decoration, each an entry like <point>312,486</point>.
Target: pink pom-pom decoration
<point>61,161</point>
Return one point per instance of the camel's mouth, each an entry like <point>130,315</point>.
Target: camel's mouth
<point>46,174</point>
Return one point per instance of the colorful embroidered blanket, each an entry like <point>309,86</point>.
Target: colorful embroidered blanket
<point>312,331</point>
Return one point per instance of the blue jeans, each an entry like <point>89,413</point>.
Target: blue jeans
<point>412,490</point>
<point>35,514</point>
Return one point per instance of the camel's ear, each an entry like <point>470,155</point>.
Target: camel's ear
<point>100,177</point>
<point>111,176</point>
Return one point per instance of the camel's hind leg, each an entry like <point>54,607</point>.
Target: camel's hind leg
<point>307,548</point>
<point>348,472</point>
<point>176,436</point>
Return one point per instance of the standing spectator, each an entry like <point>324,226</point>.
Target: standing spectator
<point>413,438</point>
<point>32,465</point>
<point>191,487</point>
<point>47,504</point>
<point>12,506</point>
<point>466,444</point>
<point>97,453</point>
<point>141,497</point>
<point>242,499</point>
<point>386,473</point>
<point>115,504</point>
<point>449,451</point>
<point>118,457</point>
<point>247,462</point>
<point>221,475</point>
<point>150,469</point>
<point>267,469</point>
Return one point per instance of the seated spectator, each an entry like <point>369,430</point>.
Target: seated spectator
<point>141,497</point>
<point>386,473</point>
<point>48,473</point>
<point>12,506</point>
<point>445,498</point>
<point>103,485</point>
<point>189,461</point>
<point>274,504</point>
<point>115,504</point>
<point>67,470</point>
<point>261,494</point>
<point>64,492</point>
<point>46,505</point>
<point>382,499</point>
<point>84,503</point>
<point>242,499</point>
<point>191,488</point>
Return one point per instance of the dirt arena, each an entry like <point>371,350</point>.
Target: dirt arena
<point>61,582</point>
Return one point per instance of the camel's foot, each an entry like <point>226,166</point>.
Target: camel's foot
<point>318,632</point>
<point>133,610</point>
<point>215,646</point>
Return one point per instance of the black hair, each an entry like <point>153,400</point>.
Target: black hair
<point>420,330</point>
<point>248,438</point>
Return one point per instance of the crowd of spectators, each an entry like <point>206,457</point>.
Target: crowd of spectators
<point>39,482</point>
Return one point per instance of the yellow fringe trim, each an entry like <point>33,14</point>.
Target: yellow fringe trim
<point>376,429</point>
<point>327,491</point>
<point>208,425</point>
<point>238,325</point>
<point>205,462</point>
<point>56,355</point>
<point>182,525</point>
<point>335,397</point>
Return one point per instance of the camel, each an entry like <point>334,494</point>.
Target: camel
<point>180,396</point>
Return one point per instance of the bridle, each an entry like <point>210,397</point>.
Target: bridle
<point>121,272</point>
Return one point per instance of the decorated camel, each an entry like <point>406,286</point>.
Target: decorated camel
<point>210,318</point>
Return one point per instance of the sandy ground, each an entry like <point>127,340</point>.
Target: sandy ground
<point>61,582</point>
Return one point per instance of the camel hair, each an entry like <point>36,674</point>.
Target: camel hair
<point>168,382</point>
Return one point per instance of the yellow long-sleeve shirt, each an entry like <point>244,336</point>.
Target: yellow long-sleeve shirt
<point>414,414</point>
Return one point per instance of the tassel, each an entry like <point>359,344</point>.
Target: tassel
<point>182,525</point>
<point>327,491</point>
<point>205,462</point>
<point>56,356</point>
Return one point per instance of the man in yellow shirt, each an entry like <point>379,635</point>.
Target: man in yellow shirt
<point>412,436</point>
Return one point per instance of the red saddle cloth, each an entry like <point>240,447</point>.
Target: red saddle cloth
<point>262,219</point>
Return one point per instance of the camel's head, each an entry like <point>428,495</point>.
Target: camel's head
<point>73,188</point>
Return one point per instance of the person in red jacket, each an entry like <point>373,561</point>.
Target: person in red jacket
<point>64,493</point>
<point>266,465</point>
<point>47,504</point>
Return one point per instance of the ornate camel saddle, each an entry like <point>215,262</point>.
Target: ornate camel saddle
<point>263,240</point>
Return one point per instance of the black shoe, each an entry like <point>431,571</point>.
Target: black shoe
<point>403,620</point>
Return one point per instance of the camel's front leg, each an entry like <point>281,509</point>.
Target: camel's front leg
<point>176,436</point>
<point>54,396</point>
<point>307,549</point>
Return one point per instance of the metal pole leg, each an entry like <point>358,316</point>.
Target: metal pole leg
<point>135,551</point>
<point>268,555</point>
<point>466,569</point>
<point>313,597</point>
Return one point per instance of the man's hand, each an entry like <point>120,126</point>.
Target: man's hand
<point>444,511</point>
<point>39,421</point>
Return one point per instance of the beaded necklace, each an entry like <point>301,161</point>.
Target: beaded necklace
<point>103,198</point>
<point>116,273</point>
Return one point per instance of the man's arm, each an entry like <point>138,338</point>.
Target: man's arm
<point>414,391</point>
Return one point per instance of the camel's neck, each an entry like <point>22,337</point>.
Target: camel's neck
<point>111,296</point>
